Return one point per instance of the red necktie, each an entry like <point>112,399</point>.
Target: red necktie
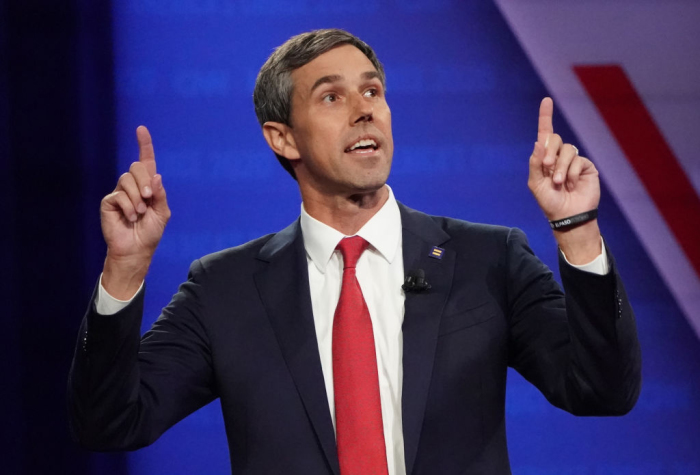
<point>358,411</point>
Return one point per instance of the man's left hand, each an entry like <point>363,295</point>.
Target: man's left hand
<point>565,184</point>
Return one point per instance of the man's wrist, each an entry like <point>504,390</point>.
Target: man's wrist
<point>582,244</point>
<point>122,277</point>
<point>573,221</point>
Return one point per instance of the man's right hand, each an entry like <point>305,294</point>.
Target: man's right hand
<point>133,219</point>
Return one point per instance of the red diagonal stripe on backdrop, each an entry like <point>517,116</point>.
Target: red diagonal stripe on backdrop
<point>646,149</point>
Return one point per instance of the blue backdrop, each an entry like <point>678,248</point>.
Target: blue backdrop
<point>464,100</point>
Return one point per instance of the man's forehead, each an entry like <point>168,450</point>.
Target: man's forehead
<point>340,63</point>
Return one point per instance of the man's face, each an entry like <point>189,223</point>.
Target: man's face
<point>341,124</point>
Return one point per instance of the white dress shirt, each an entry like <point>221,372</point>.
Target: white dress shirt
<point>380,274</point>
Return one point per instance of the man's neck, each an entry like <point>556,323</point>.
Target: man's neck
<point>346,214</point>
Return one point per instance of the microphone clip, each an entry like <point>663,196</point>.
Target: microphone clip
<point>415,282</point>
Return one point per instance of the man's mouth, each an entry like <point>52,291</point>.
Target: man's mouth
<point>366,144</point>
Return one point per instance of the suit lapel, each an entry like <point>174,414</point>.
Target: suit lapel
<point>422,313</point>
<point>284,290</point>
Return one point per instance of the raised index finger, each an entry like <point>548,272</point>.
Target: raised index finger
<point>544,125</point>
<point>146,154</point>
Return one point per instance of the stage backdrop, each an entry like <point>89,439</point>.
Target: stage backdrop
<point>464,97</point>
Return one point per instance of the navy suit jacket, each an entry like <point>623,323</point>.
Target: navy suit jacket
<point>241,329</point>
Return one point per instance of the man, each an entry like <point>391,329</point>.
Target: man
<point>323,362</point>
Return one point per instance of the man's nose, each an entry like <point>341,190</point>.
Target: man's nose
<point>362,109</point>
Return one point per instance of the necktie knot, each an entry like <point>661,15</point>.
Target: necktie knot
<point>351,249</point>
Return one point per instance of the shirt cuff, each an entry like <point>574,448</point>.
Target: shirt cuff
<point>599,265</point>
<point>105,304</point>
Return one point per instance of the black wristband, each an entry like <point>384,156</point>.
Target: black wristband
<point>575,220</point>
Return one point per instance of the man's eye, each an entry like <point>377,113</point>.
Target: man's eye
<point>371,93</point>
<point>330,98</point>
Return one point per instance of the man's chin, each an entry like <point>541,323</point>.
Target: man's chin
<point>371,181</point>
<point>368,188</point>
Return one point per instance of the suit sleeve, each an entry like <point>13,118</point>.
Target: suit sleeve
<point>124,391</point>
<point>580,349</point>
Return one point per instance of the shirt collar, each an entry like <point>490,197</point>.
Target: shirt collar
<point>382,231</point>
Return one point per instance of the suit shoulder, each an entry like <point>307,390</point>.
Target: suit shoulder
<point>456,233</point>
<point>458,226</point>
<point>233,257</point>
<point>459,229</point>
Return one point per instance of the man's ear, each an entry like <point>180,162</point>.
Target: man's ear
<point>280,139</point>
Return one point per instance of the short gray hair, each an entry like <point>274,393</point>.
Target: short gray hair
<point>273,87</point>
